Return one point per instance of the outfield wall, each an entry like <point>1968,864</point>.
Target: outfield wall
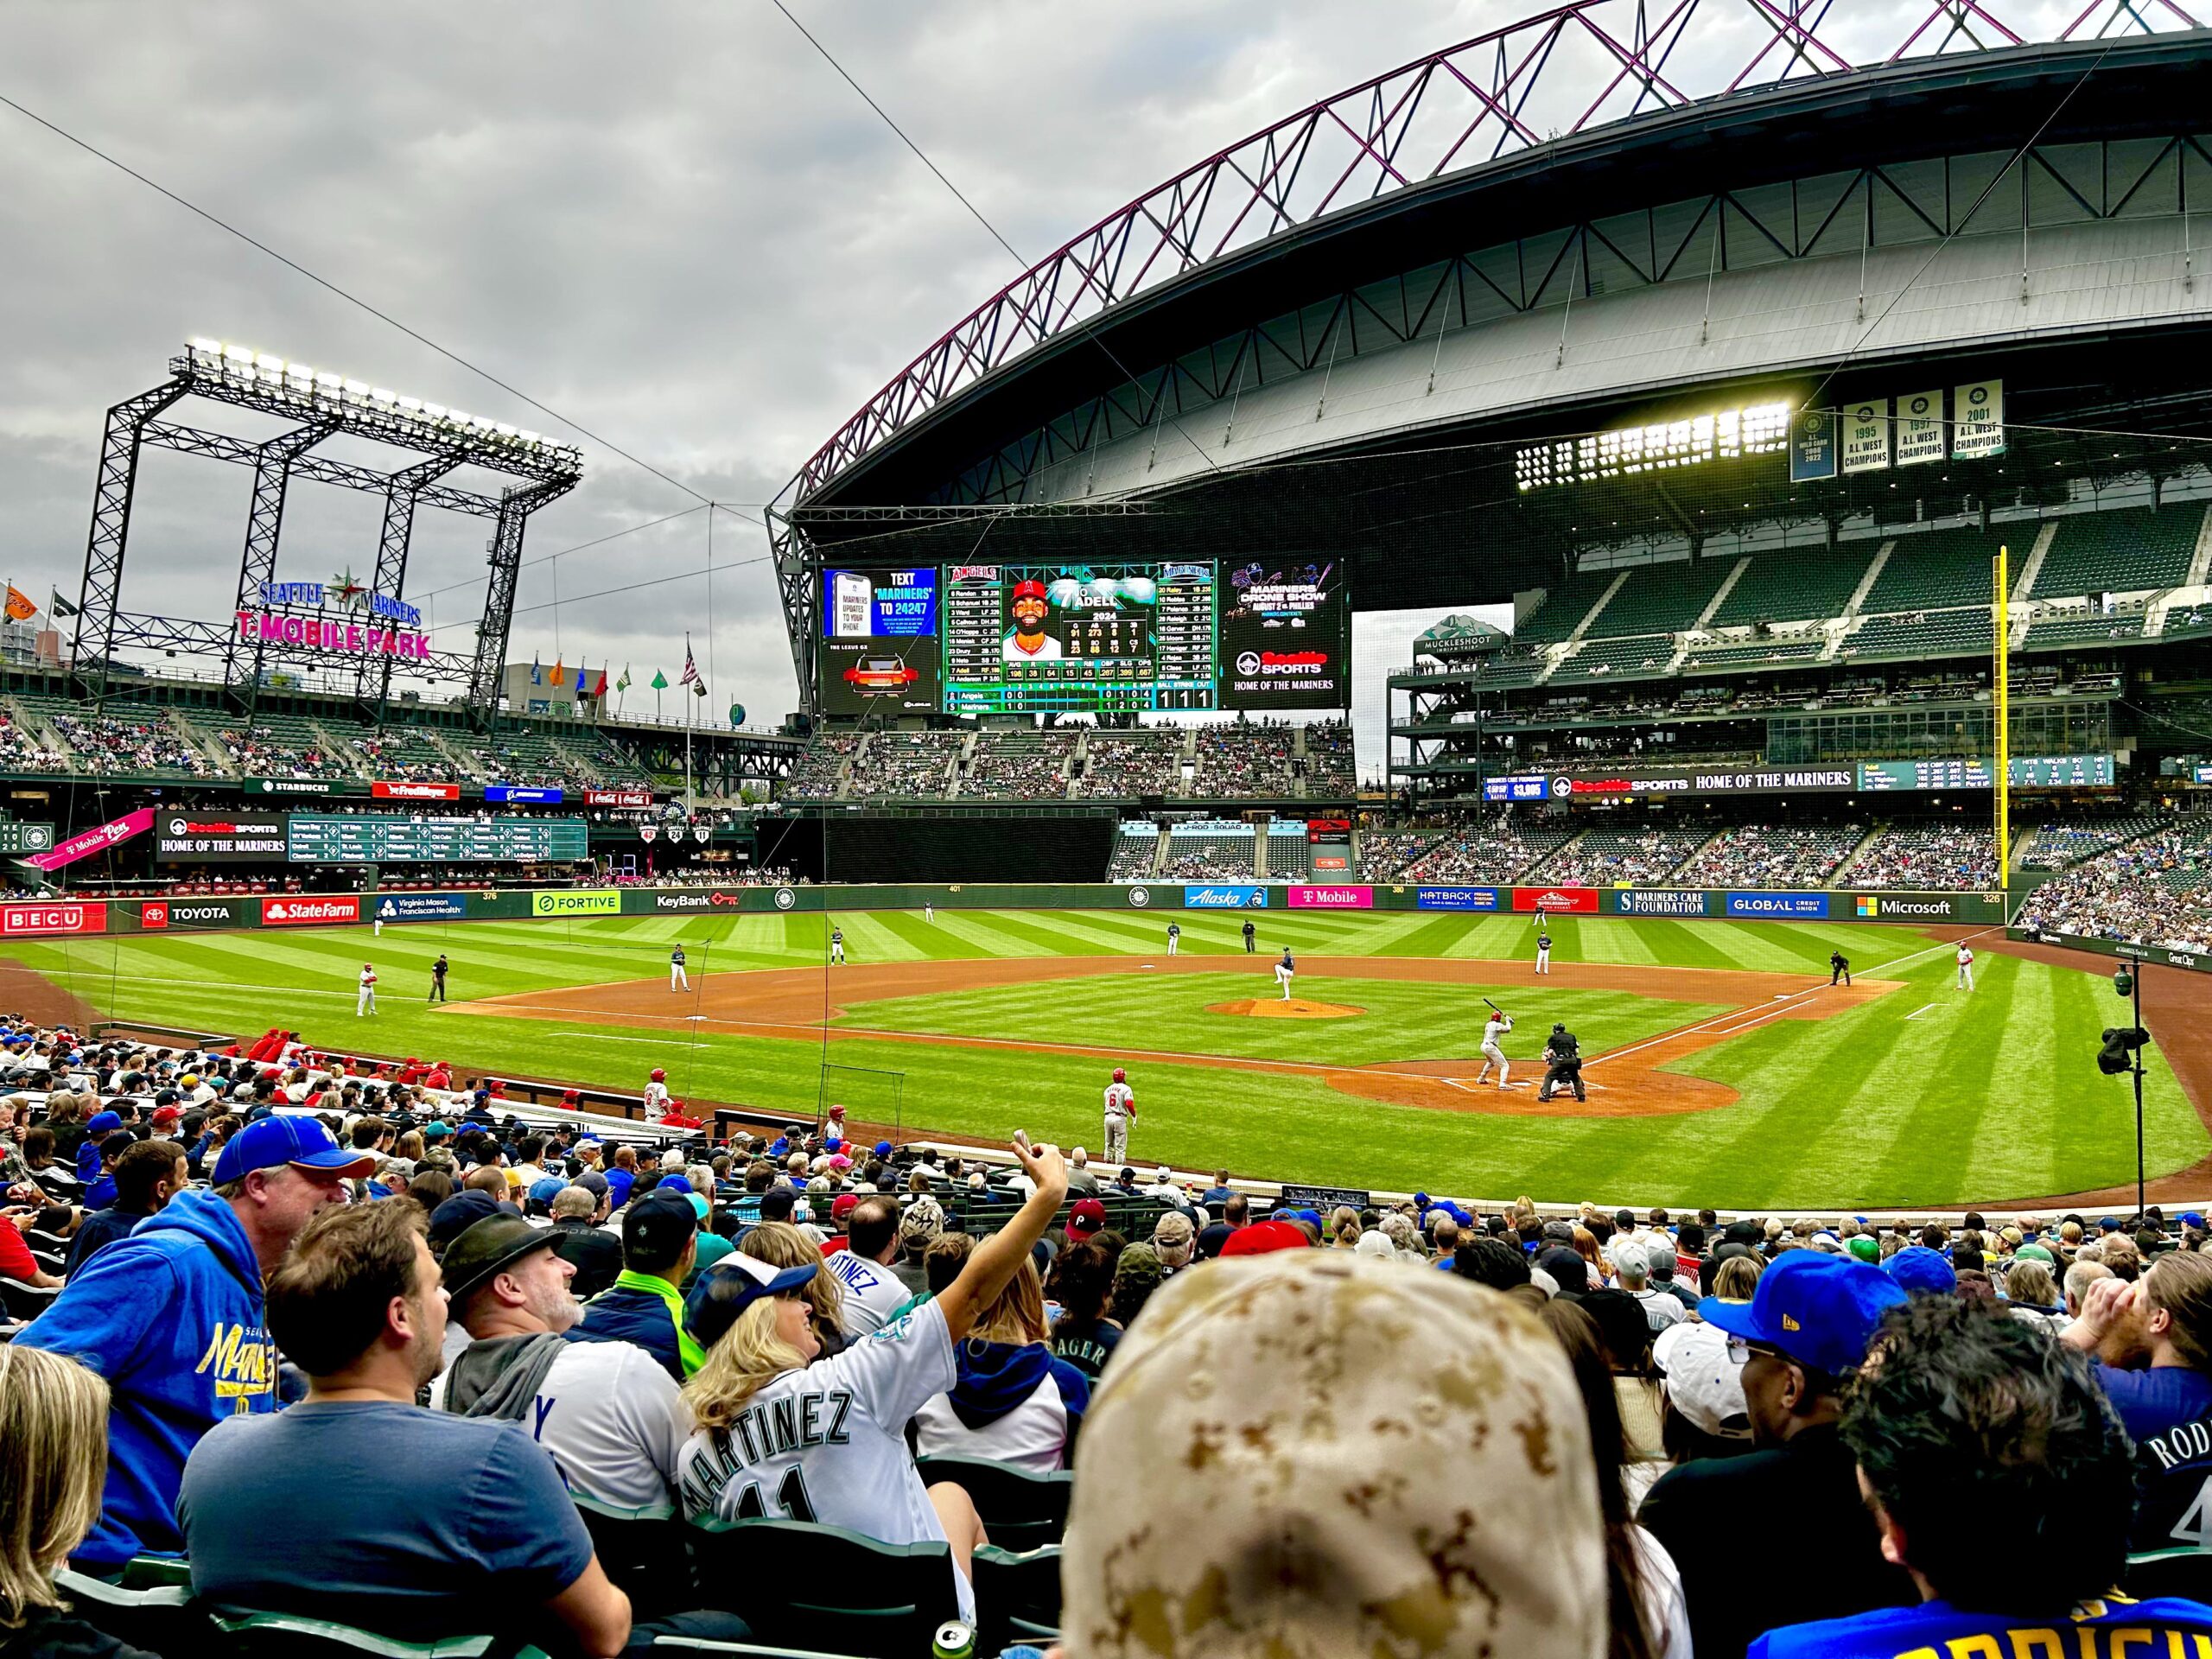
<point>2197,961</point>
<point>63,917</point>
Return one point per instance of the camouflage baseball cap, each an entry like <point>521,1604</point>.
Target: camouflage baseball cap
<point>1358,1450</point>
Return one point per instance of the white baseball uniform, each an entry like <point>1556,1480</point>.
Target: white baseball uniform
<point>827,1442</point>
<point>1286,971</point>
<point>836,944</point>
<point>678,980</point>
<point>367,1002</point>
<point>655,1101</point>
<point>1543,953</point>
<point>1966,968</point>
<point>1493,1054</point>
<point>929,911</point>
<point>868,1293</point>
<point>1174,936</point>
<point>1120,1106</point>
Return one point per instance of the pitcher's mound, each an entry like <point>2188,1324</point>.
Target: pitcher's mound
<point>1273,1007</point>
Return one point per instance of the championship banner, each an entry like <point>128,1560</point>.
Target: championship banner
<point>1920,429</point>
<point>1867,437</point>
<point>1977,420</point>
<point>1812,446</point>
<point>95,841</point>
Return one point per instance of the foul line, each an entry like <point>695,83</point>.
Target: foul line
<point>1917,1012</point>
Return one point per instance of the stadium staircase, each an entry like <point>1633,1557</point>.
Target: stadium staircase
<point>1840,876</point>
<point>1260,856</point>
<point>200,742</point>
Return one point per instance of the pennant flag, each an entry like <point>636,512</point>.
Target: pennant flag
<point>583,681</point>
<point>600,691</point>
<point>559,675</point>
<point>623,684</point>
<point>537,670</point>
<point>61,608</point>
<point>660,681</point>
<point>19,605</point>
<point>690,668</point>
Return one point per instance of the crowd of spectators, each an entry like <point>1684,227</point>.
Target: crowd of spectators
<point>1780,855</point>
<point>122,743</point>
<point>21,749</point>
<point>1328,759</point>
<point>259,750</point>
<point>416,1285</point>
<point>2062,844</point>
<point>2156,890</point>
<point>1018,766</point>
<point>906,764</point>
<point>1495,847</point>
<point>1639,853</point>
<point>1126,764</point>
<point>1208,858</point>
<point>1240,759</point>
<point>1133,857</point>
<point>1384,853</point>
<point>815,776</point>
<point>1932,857</point>
<point>403,756</point>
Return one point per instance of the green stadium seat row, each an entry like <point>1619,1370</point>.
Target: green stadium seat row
<point>2129,551</point>
<point>1931,569</point>
<point>1641,656</point>
<point>1963,630</point>
<point>1754,654</point>
<point>1795,587</point>
<point>1661,598</point>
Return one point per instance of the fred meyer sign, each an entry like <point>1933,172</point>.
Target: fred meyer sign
<point>584,901</point>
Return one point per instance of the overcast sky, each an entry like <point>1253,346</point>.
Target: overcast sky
<point>672,224</point>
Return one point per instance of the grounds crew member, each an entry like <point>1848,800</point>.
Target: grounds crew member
<point>1562,1064</point>
<point>1839,967</point>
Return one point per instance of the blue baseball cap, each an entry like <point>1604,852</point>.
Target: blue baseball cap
<point>1820,1310</point>
<point>101,1122</point>
<point>673,1184</point>
<point>1921,1272</point>
<point>546,1191</point>
<point>883,1150</point>
<point>733,1285</point>
<point>300,1141</point>
<point>2191,1219</point>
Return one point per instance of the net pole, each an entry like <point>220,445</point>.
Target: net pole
<point>2001,783</point>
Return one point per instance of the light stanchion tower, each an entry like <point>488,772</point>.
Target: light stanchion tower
<point>2000,781</point>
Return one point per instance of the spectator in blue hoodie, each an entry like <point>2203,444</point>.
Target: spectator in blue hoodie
<point>1014,1401</point>
<point>172,1316</point>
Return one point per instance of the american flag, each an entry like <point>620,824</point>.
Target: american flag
<point>690,669</point>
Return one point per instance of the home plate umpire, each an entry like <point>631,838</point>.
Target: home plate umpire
<point>1562,1064</point>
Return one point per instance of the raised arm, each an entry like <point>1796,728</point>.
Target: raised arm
<point>998,1258</point>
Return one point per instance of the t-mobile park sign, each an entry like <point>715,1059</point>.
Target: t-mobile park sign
<point>347,638</point>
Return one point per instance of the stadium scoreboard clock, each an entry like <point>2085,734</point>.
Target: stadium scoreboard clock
<point>1145,636</point>
<point>368,839</point>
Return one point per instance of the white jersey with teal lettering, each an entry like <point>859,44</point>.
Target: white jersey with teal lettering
<point>869,1293</point>
<point>827,1443</point>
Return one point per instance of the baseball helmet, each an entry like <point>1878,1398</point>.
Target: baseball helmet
<point>660,1076</point>
<point>1120,1076</point>
<point>1558,1025</point>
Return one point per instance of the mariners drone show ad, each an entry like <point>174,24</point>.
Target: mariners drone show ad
<point>1548,720</point>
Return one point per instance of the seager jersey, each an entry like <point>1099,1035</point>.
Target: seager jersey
<point>827,1442</point>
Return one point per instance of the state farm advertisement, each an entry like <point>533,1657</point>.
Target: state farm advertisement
<point>1584,899</point>
<point>1332,898</point>
<point>1286,635</point>
<point>62,916</point>
<point>298,910</point>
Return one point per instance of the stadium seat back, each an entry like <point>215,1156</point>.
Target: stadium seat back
<point>241,1634</point>
<point>800,1584</point>
<point>1017,1597</point>
<point>647,1557</point>
<point>2185,1572</point>
<point>25,1302</point>
<point>1020,1510</point>
<point>161,1618</point>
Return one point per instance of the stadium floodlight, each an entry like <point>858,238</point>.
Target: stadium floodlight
<point>380,395</point>
<point>357,388</point>
<point>206,348</point>
<point>412,405</point>
<point>507,431</point>
<point>269,360</point>
<point>239,356</point>
<point>332,383</point>
<point>435,411</point>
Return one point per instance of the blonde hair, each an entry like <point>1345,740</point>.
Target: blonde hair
<point>749,1356</point>
<point>1016,1315</point>
<point>782,1245</point>
<point>53,1463</point>
<point>1737,1279</point>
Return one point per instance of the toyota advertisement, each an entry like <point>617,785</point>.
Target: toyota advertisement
<point>1286,634</point>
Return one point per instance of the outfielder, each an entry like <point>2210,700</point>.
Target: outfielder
<point>1174,936</point>
<point>836,944</point>
<point>1966,967</point>
<point>1120,1106</point>
<point>929,911</point>
<point>1499,1023</point>
<point>1562,1064</point>
<point>1544,952</point>
<point>1839,967</point>
<point>1286,971</point>
<point>367,1002</point>
<point>678,980</point>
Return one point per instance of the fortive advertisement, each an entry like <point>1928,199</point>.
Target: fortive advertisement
<point>1581,899</point>
<point>1332,898</point>
<point>1659,901</point>
<point>1218,897</point>
<point>579,901</point>
<point>1455,898</point>
<point>420,907</point>
<point>301,912</point>
<point>1779,907</point>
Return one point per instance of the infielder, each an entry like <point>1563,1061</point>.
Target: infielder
<point>1286,971</point>
<point>678,980</point>
<point>1839,967</point>
<point>1966,967</point>
<point>836,944</point>
<point>1120,1106</point>
<point>1174,936</point>
<point>1544,952</point>
<point>1562,1064</point>
<point>1498,1024</point>
<point>367,1002</point>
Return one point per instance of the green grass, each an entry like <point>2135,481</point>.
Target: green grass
<point>1922,1097</point>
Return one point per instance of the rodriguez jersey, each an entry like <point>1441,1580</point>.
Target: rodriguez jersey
<point>827,1442</point>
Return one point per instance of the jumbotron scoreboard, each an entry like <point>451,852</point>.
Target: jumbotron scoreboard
<point>1138,636</point>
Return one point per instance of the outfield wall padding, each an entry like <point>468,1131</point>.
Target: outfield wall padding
<point>2195,961</point>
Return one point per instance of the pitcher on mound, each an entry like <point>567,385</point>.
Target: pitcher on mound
<point>1286,971</point>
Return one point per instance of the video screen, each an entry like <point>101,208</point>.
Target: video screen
<point>1019,638</point>
<point>1286,635</point>
<point>879,642</point>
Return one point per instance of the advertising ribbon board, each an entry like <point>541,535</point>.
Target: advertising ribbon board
<point>515,795</point>
<point>1581,899</point>
<point>1667,901</point>
<point>157,915</point>
<point>300,911</point>
<point>1332,898</point>
<point>1778,906</point>
<point>1220,897</point>
<point>396,790</point>
<point>1323,1198</point>
<point>420,907</point>
<point>581,901</point>
<point>95,841</point>
<point>1455,898</point>
<point>68,916</point>
<point>618,798</point>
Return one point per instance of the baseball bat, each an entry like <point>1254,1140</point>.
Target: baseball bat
<point>1493,1005</point>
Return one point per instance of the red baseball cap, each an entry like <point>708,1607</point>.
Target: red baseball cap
<point>841,1205</point>
<point>1088,1217</point>
<point>1030,589</point>
<point>1263,1237</point>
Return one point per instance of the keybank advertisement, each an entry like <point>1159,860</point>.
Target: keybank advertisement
<point>1456,898</point>
<point>421,907</point>
<point>581,901</point>
<point>1332,898</point>
<point>1220,897</point>
<point>1788,907</point>
<point>1646,901</point>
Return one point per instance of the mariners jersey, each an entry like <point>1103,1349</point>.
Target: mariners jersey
<point>869,1293</point>
<point>1543,941</point>
<point>827,1442</point>
<point>1121,1099</point>
<point>676,954</point>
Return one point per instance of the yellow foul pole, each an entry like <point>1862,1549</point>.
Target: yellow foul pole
<point>2001,774</point>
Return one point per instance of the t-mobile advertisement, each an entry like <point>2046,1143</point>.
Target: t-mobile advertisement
<point>1332,898</point>
<point>1286,635</point>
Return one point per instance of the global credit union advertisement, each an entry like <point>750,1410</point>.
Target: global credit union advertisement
<point>1660,901</point>
<point>1220,897</point>
<point>1780,906</point>
<point>1332,898</point>
<point>421,907</point>
<point>1455,897</point>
